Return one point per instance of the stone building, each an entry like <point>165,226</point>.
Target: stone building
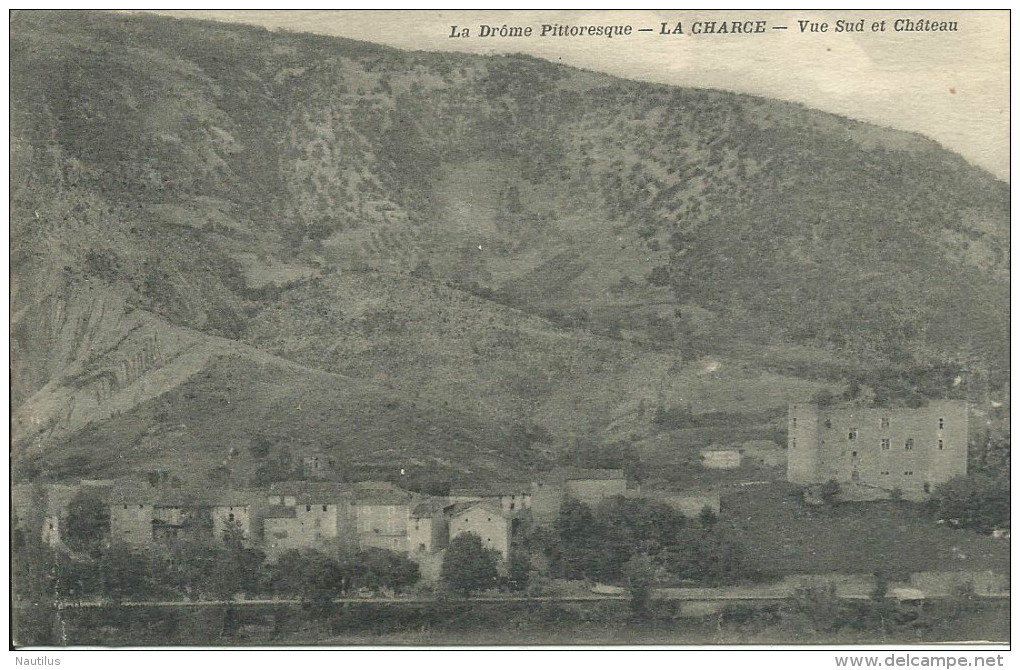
<point>910,449</point>
<point>320,467</point>
<point>383,511</point>
<point>720,458</point>
<point>308,515</point>
<point>590,486</point>
<point>428,531</point>
<point>143,516</point>
<point>132,507</point>
<point>485,519</point>
<point>515,500</point>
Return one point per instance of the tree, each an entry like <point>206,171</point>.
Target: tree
<point>237,566</point>
<point>978,501</point>
<point>830,491</point>
<point>311,575</point>
<point>659,276</point>
<point>374,568</point>
<point>88,522</point>
<point>708,518</point>
<point>640,574</point>
<point>261,446</point>
<point>824,398</point>
<point>124,574</point>
<point>519,569</point>
<point>468,566</point>
<point>820,606</point>
<point>580,541</point>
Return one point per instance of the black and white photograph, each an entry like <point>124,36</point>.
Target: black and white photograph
<point>510,329</point>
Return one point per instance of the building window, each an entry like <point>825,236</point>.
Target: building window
<point>854,454</point>
<point>942,445</point>
<point>308,508</point>
<point>793,442</point>
<point>511,505</point>
<point>942,423</point>
<point>794,422</point>
<point>885,422</point>
<point>230,517</point>
<point>927,487</point>
<point>852,435</point>
<point>908,472</point>
<point>885,444</point>
<point>909,445</point>
<point>323,508</point>
<point>828,423</point>
<point>125,506</point>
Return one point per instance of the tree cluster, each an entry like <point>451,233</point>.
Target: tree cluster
<point>599,544</point>
<point>980,501</point>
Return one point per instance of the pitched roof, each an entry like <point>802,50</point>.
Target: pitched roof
<point>141,493</point>
<point>380,493</point>
<point>523,489</point>
<point>575,474</point>
<point>397,497</point>
<point>718,448</point>
<point>427,508</point>
<point>457,509</point>
<point>311,492</point>
<point>132,492</point>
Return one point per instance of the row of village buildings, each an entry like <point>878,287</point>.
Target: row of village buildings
<point>872,449</point>
<point>330,516</point>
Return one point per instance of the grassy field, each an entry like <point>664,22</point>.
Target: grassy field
<point>898,537</point>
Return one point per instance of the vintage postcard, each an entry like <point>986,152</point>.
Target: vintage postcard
<point>509,328</point>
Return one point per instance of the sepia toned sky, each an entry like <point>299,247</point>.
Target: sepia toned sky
<point>952,87</point>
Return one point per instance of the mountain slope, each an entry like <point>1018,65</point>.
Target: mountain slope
<point>505,240</point>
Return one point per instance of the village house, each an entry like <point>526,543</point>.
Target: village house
<point>308,515</point>
<point>42,508</point>
<point>132,507</point>
<point>26,508</point>
<point>720,458</point>
<point>590,486</point>
<point>428,531</point>
<point>142,515</point>
<point>485,519</point>
<point>515,501</point>
<point>383,511</point>
<point>58,499</point>
<point>234,511</point>
<point>906,448</point>
<point>319,466</point>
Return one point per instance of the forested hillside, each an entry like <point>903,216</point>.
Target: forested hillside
<point>520,256</point>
